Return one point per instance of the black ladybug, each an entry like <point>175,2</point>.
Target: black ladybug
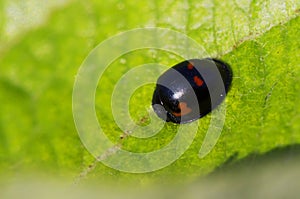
<point>191,89</point>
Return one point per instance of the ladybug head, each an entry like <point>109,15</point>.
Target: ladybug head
<point>164,103</point>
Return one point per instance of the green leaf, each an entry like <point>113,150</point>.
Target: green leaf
<point>259,39</point>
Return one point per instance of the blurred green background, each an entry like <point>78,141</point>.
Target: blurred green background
<point>43,43</point>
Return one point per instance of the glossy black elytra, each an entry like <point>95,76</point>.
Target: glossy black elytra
<point>191,89</point>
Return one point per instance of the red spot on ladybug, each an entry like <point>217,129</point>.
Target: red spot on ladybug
<point>190,66</point>
<point>198,81</point>
<point>184,109</point>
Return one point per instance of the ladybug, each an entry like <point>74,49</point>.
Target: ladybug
<point>191,89</point>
